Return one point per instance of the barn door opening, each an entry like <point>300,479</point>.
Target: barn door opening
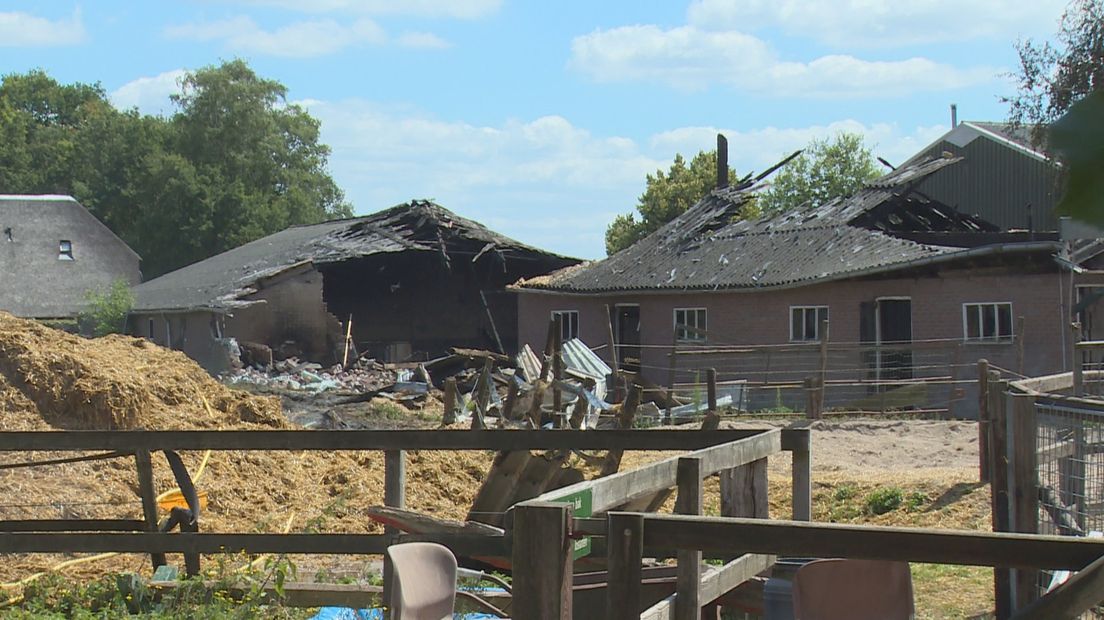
<point>626,321</point>
<point>894,339</point>
<point>885,326</point>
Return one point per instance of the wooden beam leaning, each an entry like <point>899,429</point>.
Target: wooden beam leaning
<point>149,498</point>
<point>1078,594</point>
<point>983,420</point>
<point>715,584</point>
<point>328,440</point>
<point>688,502</point>
<point>624,552</point>
<point>796,538</point>
<point>542,561</point>
<point>620,488</point>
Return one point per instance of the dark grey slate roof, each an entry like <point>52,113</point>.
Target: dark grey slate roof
<point>704,249</point>
<point>221,281</point>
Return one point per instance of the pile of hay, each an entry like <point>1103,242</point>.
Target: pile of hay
<point>49,377</point>
<point>51,380</point>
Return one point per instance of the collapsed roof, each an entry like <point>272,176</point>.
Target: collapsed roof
<point>709,248</point>
<point>223,282</point>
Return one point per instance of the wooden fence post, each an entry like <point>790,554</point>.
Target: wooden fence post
<point>822,379</point>
<point>542,561</point>
<point>624,551</point>
<point>1023,488</point>
<point>394,496</point>
<point>1078,367</point>
<point>557,372</point>
<point>983,420</point>
<point>711,388</point>
<point>613,356</point>
<point>802,479</point>
<point>997,409</point>
<point>688,578</point>
<point>810,388</point>
<point>671,369</point>
<point>744,491</point>
<point>449,416</point>
<point>1021,324</point>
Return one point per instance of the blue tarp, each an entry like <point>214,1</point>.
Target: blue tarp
<point>345,613</point>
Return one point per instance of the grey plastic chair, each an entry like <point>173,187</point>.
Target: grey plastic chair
<point>424,585</point>
<point>853,590</point>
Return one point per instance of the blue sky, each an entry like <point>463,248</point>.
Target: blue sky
<point>541,119</point>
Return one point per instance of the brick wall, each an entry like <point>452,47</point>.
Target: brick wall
<point>763,317</point>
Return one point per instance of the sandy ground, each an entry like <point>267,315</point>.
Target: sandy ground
<point>895,445</point>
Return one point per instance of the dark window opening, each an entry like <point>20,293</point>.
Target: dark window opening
<point>569,323</point>
<point>65,250</point>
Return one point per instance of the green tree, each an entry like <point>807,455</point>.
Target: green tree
<point>234,163</point>
<point>1060,96</point>
<point>825,170</point>
<point>666,196</point>
<point>108,309</point>
<point>1052,77</point>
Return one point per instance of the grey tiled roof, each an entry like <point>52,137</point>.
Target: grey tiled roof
<point>706,249</point>
<point>220,281</point>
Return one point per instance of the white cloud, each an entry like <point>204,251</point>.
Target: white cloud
<point>881,23</point>
<point>25,30</point>
<point>458,9</point>
<point>422,40</point>
<point>149,94</point>
<point>545,181</point>
<point>300,39</point>
<point>690,58</point>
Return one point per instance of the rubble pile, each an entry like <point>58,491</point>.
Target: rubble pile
<point>292,374</point>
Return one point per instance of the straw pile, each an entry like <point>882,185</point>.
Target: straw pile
<point>51,380</point>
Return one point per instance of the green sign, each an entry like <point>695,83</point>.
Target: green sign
<point>581,505</point>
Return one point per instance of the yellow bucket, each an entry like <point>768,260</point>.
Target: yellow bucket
<point>175,499</point>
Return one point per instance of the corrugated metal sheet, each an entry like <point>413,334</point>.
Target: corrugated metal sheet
<point>578,356</point>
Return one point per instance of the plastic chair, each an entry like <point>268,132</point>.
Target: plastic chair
<point>424,586</point>
<point>853,590</point>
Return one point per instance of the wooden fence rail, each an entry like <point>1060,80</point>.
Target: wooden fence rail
<point>540,535</point>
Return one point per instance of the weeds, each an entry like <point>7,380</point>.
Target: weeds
<point>883,500</point>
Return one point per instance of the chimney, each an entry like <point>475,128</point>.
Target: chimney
<point>954,115</point>
<point>722,162</point>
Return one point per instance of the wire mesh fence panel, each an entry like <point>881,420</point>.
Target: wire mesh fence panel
<point>1069,443</point>
<point>932,378</point>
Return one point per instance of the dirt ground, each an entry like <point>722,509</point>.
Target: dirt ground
<point>893,445</point>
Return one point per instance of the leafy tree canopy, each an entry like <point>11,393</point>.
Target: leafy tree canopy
<point>666,196</point>
<point>827,169</point>
<point>1060,95</point>
<point>1052,77</point>
<point>234,163</point>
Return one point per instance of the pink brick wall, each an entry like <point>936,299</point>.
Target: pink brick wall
<point>762,317</point>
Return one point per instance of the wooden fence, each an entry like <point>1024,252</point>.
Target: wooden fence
<point>538,533</point>
<point>1034,445</point>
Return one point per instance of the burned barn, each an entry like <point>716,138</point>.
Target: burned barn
<point>405,283</point>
